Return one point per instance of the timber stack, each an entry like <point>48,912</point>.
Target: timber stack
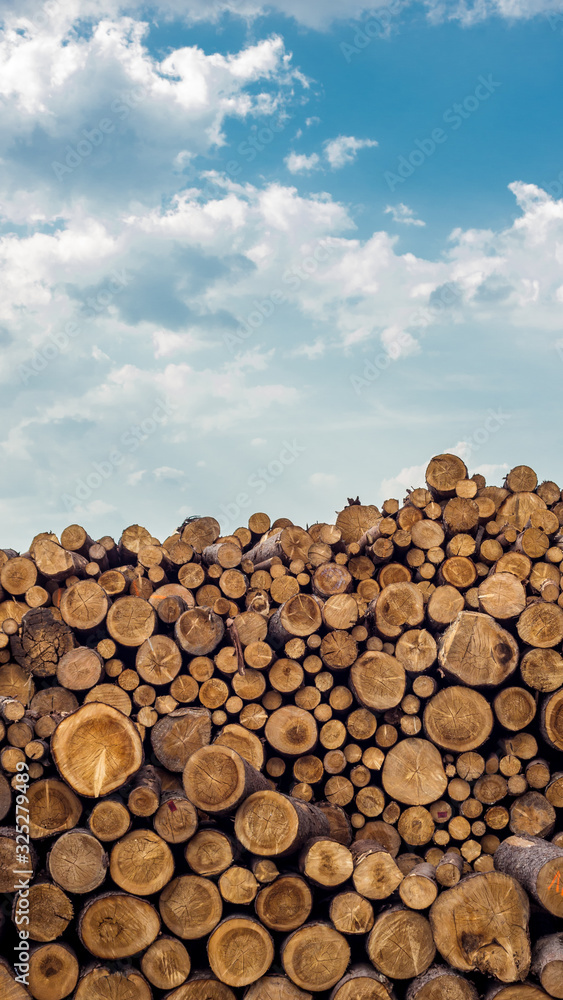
<point>289,763</point>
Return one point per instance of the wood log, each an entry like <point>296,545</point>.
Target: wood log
<point>130,621</point>
<point>77,862</point>
<point>176,818</point>
<point>80,669</point>
<point>210,851</point>
<point>413,772</point>
<point>144,798</point>
<point>291,731</point>
<point>84,605</point>
<point>551,722</point>
<point>362,982</point>
<point>376,876</point>
<point>547,963</point>
<point>541,625</point>
<point>443,474</point>
<point>179,734</point>
<point>449,870</point>
<point>285,904</point>
<point>53,808</point>
<point>240,950</point>
<point>458,718</point>
<point>542,669</point>
<point>275,988</point>
<point>520,991</point>
<point>166,963</point>
<point>441,983</point>
<point>238,885</point>
<point>315,956</point>
<point>116,925</point>
<point>477,651</point>
<point>191,906</point>
<point>96,750</point>
<point>202,984</point>
<point>400,945</point>
<point>217,779</point>
<point>141,863</point>
<point>378,680</point>
<point>101,982</point>
<point>269,823</point>
<point>42,642</point>
<point>47,908</point>
<point>482,924</point>
<point>351,913</point>
<point>532,815</point>
<point>53,971</point>
<point>109,819</point>
<point>418,890</point>
<point>325,862</point>
<point>537,865</point>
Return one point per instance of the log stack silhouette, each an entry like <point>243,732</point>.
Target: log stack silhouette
<point>290,763</point>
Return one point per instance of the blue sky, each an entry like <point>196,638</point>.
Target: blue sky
<point>272,256</point>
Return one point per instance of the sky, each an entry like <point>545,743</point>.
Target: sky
<point>269,256</point>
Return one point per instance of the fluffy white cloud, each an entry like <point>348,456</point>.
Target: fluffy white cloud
<point>337,153</point>
<point>344,149</point>
<point>402,213</point>
<point>159,319</point>
<point>299,163</point>
<point>97,119</point>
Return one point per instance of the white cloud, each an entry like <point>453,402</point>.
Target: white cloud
<point>258,442</point>
<point>299,163</point>
<point>167,474</point>
<point>99,118</point>
<point>344,149</point>
<point>402,213</point>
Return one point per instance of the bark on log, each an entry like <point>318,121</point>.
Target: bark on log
<point>547,963</point>
<point>441,983</point>
<point>538,866</point>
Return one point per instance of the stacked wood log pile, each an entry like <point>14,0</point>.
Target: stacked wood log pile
<point>290,762</point>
